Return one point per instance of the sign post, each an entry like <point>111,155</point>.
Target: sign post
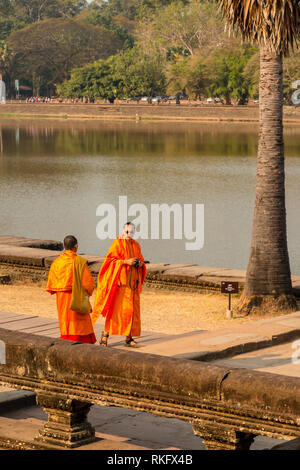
<point>229,288</point>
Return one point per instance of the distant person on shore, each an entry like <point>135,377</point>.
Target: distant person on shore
<point>70,279</point>
<point>119,286</point>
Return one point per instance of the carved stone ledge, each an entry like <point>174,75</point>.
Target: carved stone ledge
<point>227,407</point>
<point>67,425</point>
<point>218,437</point>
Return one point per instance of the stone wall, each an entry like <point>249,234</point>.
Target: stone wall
<point>120,111</point>
<point>227,407</point>
<point>25,258</point>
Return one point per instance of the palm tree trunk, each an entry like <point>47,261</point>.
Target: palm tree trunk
<point>268,279</point>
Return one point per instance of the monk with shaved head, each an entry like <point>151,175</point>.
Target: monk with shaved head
<point>119,286</point>
<point>71,280</point>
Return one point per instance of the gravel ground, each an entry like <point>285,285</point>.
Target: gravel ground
<point>161,311</point>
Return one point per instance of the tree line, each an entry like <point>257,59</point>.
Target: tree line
<point>128,48</point>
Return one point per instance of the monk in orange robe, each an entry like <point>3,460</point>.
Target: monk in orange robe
<point>74,326</point>
<point>119,286</point>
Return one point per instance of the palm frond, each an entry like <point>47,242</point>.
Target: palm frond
<point>272,23</point>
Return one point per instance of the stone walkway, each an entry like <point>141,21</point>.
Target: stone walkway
<point>197,345</point>
<point>123,429</point>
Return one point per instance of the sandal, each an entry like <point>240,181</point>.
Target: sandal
<point>130,343</point>
<point>103,341</point>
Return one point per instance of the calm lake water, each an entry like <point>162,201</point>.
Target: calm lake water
<point>54,175</point>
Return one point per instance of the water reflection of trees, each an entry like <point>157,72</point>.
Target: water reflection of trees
<point>145,139</point>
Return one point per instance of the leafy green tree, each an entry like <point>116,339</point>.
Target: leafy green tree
<point>191,26</point>
<point>106,20</point>
<point>69,8</point>
<point>140,73</point>
<point>9,25</point>
<point>291,73</point>
<point>189,76</point>
<point>148,8</point>
<point>178,76</point>
<point>4,54</point>
<point>124,75</point>
<point>226,73</point>
<point>198,77</point>
<point>7,67</point>
<point>179,44</point>
<point>49,49</point>
<point>6,8</point>
<point>16,14</point>
<point>127,8</point>
<point>251,76</point>
<point>92,81</point>
<point>8,19</point>
<point>38,10</point>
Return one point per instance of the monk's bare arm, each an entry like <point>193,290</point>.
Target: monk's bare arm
<point>130,261</point>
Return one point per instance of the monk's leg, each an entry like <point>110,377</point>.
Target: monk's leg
<point>135,329</point>
<point>105,334</point>
<point>119,320</point>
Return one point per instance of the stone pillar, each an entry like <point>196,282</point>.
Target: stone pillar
<point>221,437</point>
<point>67,425</point>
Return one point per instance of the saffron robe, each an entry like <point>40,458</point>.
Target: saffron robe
<point>73,325</point>
<point>118,289</point>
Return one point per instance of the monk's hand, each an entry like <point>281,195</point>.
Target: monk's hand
<point>141,264</point>
<point>131,261</point>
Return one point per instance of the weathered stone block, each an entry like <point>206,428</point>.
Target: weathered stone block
<point>24,256</point>
<point>156,268</point>
<point>262,390</point>
<point>177,266</point>
<point>44,358</point>
<point>227,407</point>
<point>215,281</point>
<point>95,268</point>
<point>222,437</point>
<point>67,424</point>
<point>93,259</point>
<point>5,279</point>
<point>49,260</point>
<point>184,273</point>
<point>226,273</point>
<point>31,242</point>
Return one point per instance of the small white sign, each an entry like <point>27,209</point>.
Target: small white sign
<point>2,92</point>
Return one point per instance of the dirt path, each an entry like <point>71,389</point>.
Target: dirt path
<point>163,312</point>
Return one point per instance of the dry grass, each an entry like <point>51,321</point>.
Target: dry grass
<point>163,311</point>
